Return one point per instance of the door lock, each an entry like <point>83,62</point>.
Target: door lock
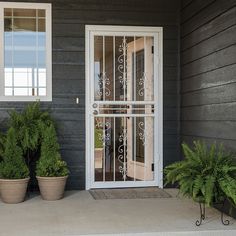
<point>95,105</point>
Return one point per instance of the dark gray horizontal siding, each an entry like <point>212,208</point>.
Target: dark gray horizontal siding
<point>212,112</point>
<point>208,11</point>
<point>104,5</point>
<point>184,4</point>
<point>194,8</point>
<point>216,43</point>
<point>210,62</point>
<point>210,129</point>
<point>209,26</point>
<point>228,144</point>
<point>75,30</point>
<point>218,77</point>
<point>208,73</point>
<point>69,20</point>
<point>212,95</point>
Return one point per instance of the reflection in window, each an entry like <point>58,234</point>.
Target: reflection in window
<point>123,68</point>
<point>24,52</point>
<point>138,58</point>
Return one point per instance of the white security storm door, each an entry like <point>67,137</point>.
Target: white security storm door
<point>123,106</point>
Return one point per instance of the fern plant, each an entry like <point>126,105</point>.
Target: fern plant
<point>50,163</point>
<point>13,165</point>
<point>28,125</point>
<point>205,175</point>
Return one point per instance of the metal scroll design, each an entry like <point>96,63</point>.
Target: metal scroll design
<point>122,60</point>
<point>105,136</point>
<point>142,84</point>
<point>122,152</point>
<point>142,132</point>
<point>103,83</point>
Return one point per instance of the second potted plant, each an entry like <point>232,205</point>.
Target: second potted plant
<point>51,171</point>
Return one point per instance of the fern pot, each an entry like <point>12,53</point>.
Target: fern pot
<point>13,190</point>
<point>52,188</point>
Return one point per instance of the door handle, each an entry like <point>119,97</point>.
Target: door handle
<point>95,112</point>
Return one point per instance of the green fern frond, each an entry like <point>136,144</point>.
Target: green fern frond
<point>228,186</point>
<point>209,189</point>
<point>197,187</point>
<point>206,174</point>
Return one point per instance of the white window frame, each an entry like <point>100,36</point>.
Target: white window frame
<point>47,8</point>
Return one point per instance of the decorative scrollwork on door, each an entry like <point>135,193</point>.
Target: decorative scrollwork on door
<point>142,132</point>
<point>103,83</point>
<point>105,136</point>
<point>142,84</point>
<point>122,60</point>
<point>122,153</point>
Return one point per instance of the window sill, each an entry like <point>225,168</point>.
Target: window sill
<point>25,99</point>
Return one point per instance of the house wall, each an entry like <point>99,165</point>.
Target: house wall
<point>208,71</point>
<point>69,20</point>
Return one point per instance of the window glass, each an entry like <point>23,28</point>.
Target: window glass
<point>24,52</point>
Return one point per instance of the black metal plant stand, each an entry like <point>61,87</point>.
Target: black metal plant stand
<point>224,222</point>
<point>203,214</point>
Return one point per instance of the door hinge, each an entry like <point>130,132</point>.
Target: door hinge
<point>152,49</point>
<point>152,166</point>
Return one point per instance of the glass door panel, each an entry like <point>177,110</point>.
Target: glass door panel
<point>123,148</point>
<point>123,109</point>
<point>123,68</point>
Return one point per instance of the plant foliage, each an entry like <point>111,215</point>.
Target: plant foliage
<point>206,175</point>
<point>28,125</point>
<point>50,163</point>
<point>98,140</point>
<point>13,165</point>
<point>2,145</point>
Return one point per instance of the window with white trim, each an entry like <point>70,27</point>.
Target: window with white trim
<point>26,54</point>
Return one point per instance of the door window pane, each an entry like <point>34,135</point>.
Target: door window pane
<point>123,68</point>
<point>123,148</point>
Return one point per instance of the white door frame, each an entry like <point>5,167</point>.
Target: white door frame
<point>157,33</point>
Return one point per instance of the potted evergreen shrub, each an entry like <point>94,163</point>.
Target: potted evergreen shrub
<point>2,144</point>
<point>51,170</point>
<point>29,125</point>
<point>206,175</point>
<point>14,173</point>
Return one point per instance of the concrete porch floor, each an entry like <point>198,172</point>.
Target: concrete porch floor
<point>79,214</point>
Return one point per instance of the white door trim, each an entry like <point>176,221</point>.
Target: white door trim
<point>91,30</point>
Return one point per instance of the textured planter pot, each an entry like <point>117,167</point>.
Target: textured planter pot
<point>52,188</point>
<point>13,190</point>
